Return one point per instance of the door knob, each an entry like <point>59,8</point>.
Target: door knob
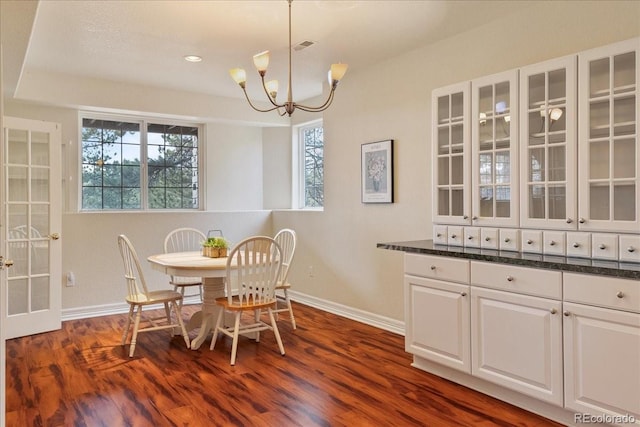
<point>54,236</point>
<point>5,262</point>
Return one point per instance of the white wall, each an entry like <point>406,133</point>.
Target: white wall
<point>392,100</point>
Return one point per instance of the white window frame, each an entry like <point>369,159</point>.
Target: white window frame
<point>143,121</point>
<point>298,167</point>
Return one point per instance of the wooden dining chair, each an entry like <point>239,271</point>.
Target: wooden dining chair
<point>253,268</point>
<point>182,240</point>
<point>139,297</point>
<point>286,238</point>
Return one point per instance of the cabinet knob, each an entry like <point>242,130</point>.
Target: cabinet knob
<point>438,235</point>
<point>465,217</point>
<point>576,245</point>
<point>620,294</point>
<point>552,243</point>
<point>602,246</point>
<point>464,294</point>
<point>469,237</point>
<point>486,239</point>
<point>553,311</point>
<point>566,314</point>
<point>475,218</point>
<point>529,242</point>
<point>453,236</point>
<point>582,220</point>
<point>507,240</point>
<point>433,267</point>
<point>631,249</point>
<point>510,279</point>
<point>569,220</point>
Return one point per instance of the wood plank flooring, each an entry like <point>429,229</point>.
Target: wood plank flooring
<point>336,372</point>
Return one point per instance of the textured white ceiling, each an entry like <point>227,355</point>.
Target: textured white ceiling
<point>145,41</point>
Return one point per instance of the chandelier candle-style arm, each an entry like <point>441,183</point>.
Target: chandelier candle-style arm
<point>261,62</point>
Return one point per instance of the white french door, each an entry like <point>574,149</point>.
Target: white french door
<point>31,213</point>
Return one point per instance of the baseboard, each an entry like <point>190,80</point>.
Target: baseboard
<point>381,322</point>
<point>361,316</point>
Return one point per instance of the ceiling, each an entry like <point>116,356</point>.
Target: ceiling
<point>144,42</point>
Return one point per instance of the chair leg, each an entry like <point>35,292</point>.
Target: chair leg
<point>215,330</point>
<point>288,301</point>
<point>234,346</point>
<point>134,336</point>
<point>167,311</point>
<point>256,316</point>
<point>125,333</point>
<point>274,325</point>
<point>177,306</point>
<point>200,289</point>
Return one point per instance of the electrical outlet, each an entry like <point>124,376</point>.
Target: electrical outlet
<point>71,279</point>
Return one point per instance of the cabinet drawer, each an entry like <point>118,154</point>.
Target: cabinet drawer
<point>621,294</point>
<point>435,267</point>
<point>630,248</point>
<point>523,280</point>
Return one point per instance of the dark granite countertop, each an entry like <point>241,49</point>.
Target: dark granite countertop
<point>627,270</point>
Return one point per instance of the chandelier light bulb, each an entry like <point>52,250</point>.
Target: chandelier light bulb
<point>239,75</point>
<point>261,61</point>
<point>272,88</point>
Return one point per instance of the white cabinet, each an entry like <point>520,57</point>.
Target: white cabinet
<point>609,152</point>
<point>516,342</point>
<point>548,160</point>
<point>437,311</point>
<point>494,147</point>
<point>451,154</point>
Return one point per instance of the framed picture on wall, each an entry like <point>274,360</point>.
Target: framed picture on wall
<point>377,172</point>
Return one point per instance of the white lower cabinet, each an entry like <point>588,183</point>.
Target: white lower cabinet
<point>438,321</point>
<point>516,342</point>
<point>567,340</point>
<point>602,347</point>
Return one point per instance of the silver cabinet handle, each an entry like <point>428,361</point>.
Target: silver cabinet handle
<point>507,240</point>
<point>552,243</point>
<point>569,220</point>
<point>433,267</point>
<point>486,239</point>
<point>475,218</point>
<point>529,242</point>
<point>620,294</point>
<point>464,294</point>
<point>631,249</point>
<point>566,314</point>
<point>576,245</point>
<point>438,235</point>
<point>553,311</point>
<point>602,246</point>
<point>465,217</point>
<point>582,220</point>
<point>453,236</point>
<point>510,279</point>
<point>469,237</point>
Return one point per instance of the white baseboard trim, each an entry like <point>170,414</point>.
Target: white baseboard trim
<point>366,317</point>
<point>381,322</point>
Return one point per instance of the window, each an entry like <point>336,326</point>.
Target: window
<point>311,142</point>
<point>137,164</point>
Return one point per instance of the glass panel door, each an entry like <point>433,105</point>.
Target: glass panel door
<point>548,141</point>
<point>32,212</point>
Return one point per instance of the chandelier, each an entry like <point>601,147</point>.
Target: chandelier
<point>261,61</point>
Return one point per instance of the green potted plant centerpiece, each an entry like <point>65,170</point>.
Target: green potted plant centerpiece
<point>215,247</point>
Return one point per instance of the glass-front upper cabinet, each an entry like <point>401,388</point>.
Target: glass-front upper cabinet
<point>494,150</point>
<point>450,141</point>
<point>608,155</point>
<point>548,130</point>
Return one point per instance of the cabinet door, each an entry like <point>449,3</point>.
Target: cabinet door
<point>548,127</point>
<point>608,156</point>
<point>451,161</point>
<point>494,144</point>
<point>437,321</point>
<point>516,342</point>
<point>602,360</point>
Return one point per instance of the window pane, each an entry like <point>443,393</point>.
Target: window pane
<point>313,146</point>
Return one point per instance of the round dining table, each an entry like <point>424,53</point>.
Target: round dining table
<point>211,270</point>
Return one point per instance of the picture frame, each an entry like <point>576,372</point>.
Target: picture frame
<point>377,172</point>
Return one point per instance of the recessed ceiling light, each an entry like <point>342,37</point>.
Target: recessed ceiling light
<point>193,58</point>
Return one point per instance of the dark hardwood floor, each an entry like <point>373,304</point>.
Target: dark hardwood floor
<point>336,372</point>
